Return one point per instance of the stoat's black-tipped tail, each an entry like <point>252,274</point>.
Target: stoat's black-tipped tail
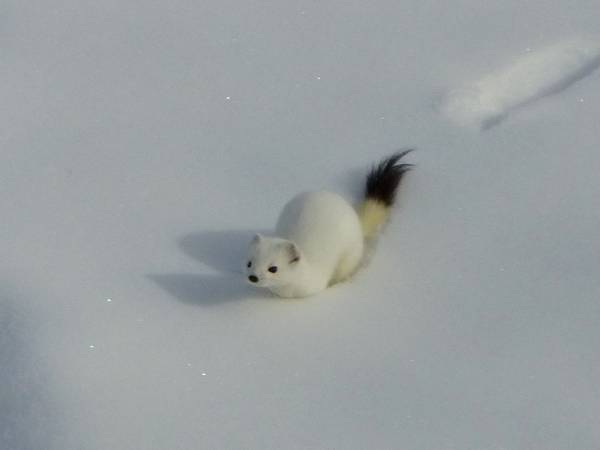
<point>383,180</point>
<point>380,192</point>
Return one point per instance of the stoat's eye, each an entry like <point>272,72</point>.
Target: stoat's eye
<point>273,269</point>
<point>249,264</point>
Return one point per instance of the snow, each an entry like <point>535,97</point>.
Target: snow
<point>146,142</point>
<point>531,78</point>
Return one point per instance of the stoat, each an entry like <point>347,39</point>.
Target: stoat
<point>320,237</point>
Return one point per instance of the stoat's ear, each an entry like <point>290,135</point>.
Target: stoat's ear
<point>257,238</point>
<point>293,252</point>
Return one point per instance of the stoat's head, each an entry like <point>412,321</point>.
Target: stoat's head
<point>271,261</point>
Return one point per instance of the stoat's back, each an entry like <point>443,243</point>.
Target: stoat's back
<point>323,224</point>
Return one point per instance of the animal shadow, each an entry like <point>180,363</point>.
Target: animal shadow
<point>223,251</point>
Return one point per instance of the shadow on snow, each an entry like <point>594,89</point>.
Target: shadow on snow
<point>223,251</point>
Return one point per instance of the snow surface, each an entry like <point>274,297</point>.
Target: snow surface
<point>532,77</point>
<point>145,142</point>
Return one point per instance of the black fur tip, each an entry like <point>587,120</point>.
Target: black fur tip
<point>383,179</point>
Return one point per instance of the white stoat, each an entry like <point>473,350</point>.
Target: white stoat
<point>320,237</point>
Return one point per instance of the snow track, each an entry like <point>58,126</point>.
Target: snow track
<point>530,78</point>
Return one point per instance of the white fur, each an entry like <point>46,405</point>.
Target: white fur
<point>320,228</point>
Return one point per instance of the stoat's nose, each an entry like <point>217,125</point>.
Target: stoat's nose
<point>253,278</point>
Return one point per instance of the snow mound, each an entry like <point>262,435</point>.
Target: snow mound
<point>529,78</point>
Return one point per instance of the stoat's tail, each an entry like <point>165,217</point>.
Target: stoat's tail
<point>380,192</point>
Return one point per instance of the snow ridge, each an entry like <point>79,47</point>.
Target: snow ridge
<point>530,78</point>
